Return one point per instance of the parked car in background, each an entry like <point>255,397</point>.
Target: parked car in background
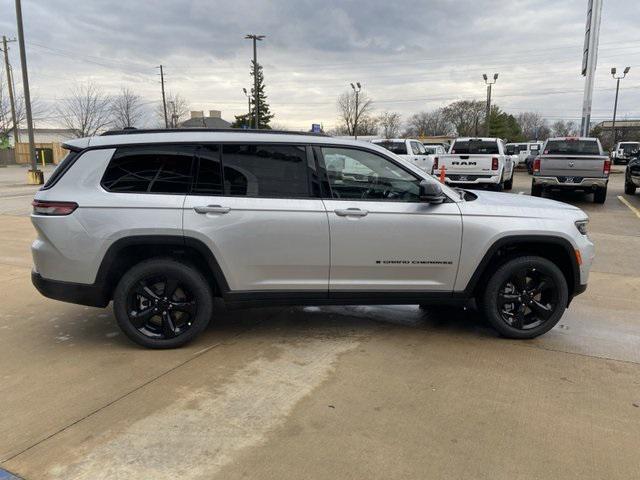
<point>162,222</point>
<point>477,162</point>
<point>632,175</point>
<point>409,149</point>
<point>572,163</point>
<point>624,151</point>
<point>534,150</point>
<point>523,153</point>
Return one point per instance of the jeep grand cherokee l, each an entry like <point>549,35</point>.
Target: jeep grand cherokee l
<point>160,223</point>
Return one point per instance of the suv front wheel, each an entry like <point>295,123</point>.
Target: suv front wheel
<point>525,297</point>
<point>160,303</point>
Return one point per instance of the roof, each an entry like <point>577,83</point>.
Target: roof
<point>206,122</point>
<point>620,124</point>
<point>197,135</point>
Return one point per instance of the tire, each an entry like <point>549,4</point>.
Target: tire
<point>600,195</point>
<point>629,188</point>
<point>508,185</point>
<point>536,190</point>
<point>164,322</point>
<point>512,306</point>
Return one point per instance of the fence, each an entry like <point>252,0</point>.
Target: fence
<point>7,156</point>
<point>22,152</point>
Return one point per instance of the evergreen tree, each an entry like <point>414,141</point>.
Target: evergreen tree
<point>503,125</point>
<point>264,113</point>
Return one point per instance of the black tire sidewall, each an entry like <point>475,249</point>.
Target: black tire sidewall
<point>186,274</point>
<point>490,295</point>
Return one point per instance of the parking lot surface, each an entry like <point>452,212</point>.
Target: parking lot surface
<point>330,392</point>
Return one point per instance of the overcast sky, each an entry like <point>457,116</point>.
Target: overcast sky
<point>408,55</point>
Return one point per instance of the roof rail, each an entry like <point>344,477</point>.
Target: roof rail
<point>136,131</point>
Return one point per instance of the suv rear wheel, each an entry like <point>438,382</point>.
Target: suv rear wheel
<point>160,303</point>
<point>525,297</point>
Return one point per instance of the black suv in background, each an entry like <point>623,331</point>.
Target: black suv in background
<point>632,175</point>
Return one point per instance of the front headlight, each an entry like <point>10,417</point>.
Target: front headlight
<point>581,225</point>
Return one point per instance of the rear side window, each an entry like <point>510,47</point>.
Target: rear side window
<point>572,147</point>
<point>150,169</point>
<point>61,169</point>
<point>254,170</point>
<point>472,147</point>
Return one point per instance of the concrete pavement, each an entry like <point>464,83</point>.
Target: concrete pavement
<point>339,392</point>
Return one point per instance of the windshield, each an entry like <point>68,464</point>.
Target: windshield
<point>473,146</point>
<point>399,148</point>
<point>572,147</point>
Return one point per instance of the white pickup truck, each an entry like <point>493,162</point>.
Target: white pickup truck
<point>477,161</point>
<point>408,149</point>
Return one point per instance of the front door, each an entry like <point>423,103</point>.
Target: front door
<point>382,237</point>
<point>253,206</point>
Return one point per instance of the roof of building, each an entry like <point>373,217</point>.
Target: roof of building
<point>206,122</point>
<point>620,124</point>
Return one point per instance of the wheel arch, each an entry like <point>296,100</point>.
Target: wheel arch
<point>128,251</point>
<point>557,249</point>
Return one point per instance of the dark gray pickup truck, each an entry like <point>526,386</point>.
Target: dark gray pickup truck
<point>572,163</point>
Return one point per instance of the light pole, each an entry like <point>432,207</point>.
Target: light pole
<point>35,176</point>
<point>255,38</point>
<point>615,103</point>
<point>249,107</point>
<point>355,119</point>
<point>489,83</point>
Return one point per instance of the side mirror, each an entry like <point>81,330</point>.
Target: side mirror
<point>431,192</point>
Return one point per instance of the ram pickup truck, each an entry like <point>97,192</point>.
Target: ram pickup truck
<point>572,163</point>
<point>477,161</point>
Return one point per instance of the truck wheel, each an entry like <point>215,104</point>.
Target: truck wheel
<point>508,185</point>
<point>525,297</point>
<point>161,303</point>
<point>629,188</point>
<point>536,190</point>
<point>600,195</point>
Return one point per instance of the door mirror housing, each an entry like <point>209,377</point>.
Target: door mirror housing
<point>431,192</point>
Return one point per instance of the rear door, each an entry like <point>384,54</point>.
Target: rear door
<point>257,208</point>
<point>382,237</point>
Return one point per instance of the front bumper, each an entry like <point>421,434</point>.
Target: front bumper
<point>571,182</point>
<point>80,293</point>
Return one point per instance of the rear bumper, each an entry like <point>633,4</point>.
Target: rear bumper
<point>471,179</point>
<point>560,182</point>
<point>79,293</point>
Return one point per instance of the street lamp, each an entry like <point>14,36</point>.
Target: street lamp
<point>489,83</point>
<point>615,104</point>
<point>255,38</point>
<point>355,120</point>
<point>249,107</point>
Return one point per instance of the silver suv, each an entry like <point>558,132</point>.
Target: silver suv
<point>161,222</point>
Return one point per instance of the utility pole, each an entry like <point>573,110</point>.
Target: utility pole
<point>590,60</point>
<point>7,68</point>
<point>249,106</point>
<point>355,119</point>
<point>256,113</point>
<point>164,99</point>
<point>35,176</point>
<point>615,104</point>
<point>488,114</point>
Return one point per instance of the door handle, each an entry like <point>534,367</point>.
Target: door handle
<point>211,209</point>
<point>351,212</point>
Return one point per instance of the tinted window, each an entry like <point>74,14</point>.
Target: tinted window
<point>361,175</point>
<point>62,167</point>
<point>399,148</point>
<point>629,147</point>
<point>471,147</point>
<point>571,147</point>
<point>265,170</point>
<point>150,169</point>
<point>208,179</point>
<point>510,149</point>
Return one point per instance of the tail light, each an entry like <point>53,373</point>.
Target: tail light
<point>536,165</point>
<point>494,163</point>
<point>435,164</point>
<point>607,167</point>
<point>43,207</point>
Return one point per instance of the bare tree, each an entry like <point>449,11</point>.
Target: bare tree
<point>87,110</point>
<point>466,116</point>
<point>126,109</point>
<point>347,113</point>
<point>533,126</point>
<point>423,124</point>
<point>561,128</point>
<point>177,110</point>
<point>389,124</point>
